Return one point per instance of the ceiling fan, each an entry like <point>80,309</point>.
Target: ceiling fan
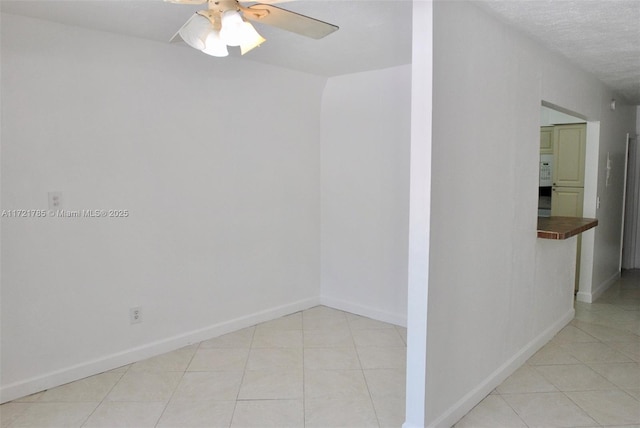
<point>226,23</point>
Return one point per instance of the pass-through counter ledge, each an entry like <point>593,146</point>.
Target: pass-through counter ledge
<point>564,227</point>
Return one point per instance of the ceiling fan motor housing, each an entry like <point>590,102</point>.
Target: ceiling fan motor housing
<point>216,8</point>
<point>223,5</point>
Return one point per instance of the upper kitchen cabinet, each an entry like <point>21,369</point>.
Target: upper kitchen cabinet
<point>569,146</point>
<point>546,140</point>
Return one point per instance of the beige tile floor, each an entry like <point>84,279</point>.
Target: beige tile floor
<point>317,368</point>
<point>587,376</point>
<point>327,368</point>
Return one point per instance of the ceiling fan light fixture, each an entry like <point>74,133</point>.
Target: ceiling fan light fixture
<point>195,31</point>
<point>214,45</point>
<point>226,23</point>
<point>250,38</point>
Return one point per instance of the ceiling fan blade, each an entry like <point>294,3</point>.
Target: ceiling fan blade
<point>186,1</point>
<point>176,37</point>
<point>276,1</point>
<point>290,21</point>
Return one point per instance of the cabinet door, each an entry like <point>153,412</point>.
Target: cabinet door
<point>546,140</point>
<point>567,201</point>
<point>569,146</point>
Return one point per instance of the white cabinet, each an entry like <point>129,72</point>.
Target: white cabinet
<point>569,147</point>
<point>546,140</point>
<point>567,201</point>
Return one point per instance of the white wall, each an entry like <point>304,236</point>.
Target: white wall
<point>217,164</point>
<point>631,251</point>
<point>614,126</point>
<point>365,192</point>
<point>487,309</point>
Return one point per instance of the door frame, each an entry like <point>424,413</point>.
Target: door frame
<point>629,250</point>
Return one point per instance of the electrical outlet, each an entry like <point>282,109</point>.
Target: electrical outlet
<point>55,200</point>
<point>135,315</point>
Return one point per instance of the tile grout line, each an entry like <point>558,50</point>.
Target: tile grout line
<point>105,396</point>
<point>375,411</point>
<point>501,396</point>
<point>580,407</point>
<point>244,371</point>
<point>177,385</point>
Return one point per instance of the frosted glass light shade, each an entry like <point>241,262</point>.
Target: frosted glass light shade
<point>231,32</point>
<point>200,33</point>
<point>250,38</point>
<point>214,45</point>
<point>195,32</point>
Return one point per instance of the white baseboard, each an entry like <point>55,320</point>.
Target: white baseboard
<point>470,400</point>
<point>591,297</point>
<point>109,362</point>
<point>365,311</point>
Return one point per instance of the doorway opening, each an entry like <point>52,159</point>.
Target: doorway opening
<point>568,178</point>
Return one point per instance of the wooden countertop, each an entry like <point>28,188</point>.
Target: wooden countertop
<point>563,227</point>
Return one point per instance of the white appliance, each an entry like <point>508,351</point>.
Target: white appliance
<point>546,181</point>
<point>546,170</point>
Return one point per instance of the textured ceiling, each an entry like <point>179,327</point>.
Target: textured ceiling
<point>600,36</point>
